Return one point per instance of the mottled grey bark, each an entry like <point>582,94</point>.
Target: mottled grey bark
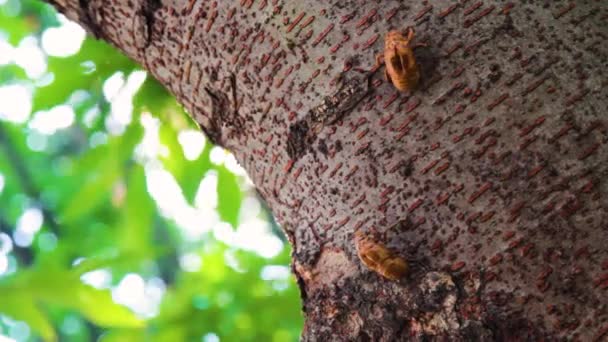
<point>490,179</point>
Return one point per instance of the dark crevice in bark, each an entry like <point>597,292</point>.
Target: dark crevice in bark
<point>214,127</point>
<point>87,20</point>
<point>148,10</point>
<point>303,133</point>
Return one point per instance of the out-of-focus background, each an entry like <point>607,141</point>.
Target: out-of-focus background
<point>119,220</point>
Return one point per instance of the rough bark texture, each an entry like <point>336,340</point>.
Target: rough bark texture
<point>490,180</point>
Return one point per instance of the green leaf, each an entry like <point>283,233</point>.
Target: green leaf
<point>20,305</point>
<point>98,306</point>
<point>109,168</point>
<point>229,196</point>
<point>50,284</point>
<point>135,227</point>
<point>71,73</point>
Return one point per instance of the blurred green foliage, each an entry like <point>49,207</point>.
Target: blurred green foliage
<point>92,247</point>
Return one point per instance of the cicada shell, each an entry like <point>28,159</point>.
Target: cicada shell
<point>401,67</point>
<point>379,258</point>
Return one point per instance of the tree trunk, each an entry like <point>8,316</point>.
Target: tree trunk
<point>489,180</point>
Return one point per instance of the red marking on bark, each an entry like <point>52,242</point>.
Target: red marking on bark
<point>471,9</point>
<point>231,12</point>
<point>534,85</point>
<point>423,12</point>
<point>367,17</point>
<point>507,8</point>
<point>564,10</point>
<point>389,190</point>
<point>480,192</point>
<point>343,222</point>
<point>321,170</point>
<point>359,123</point>
<point>322,35</point>
<point>390,14</point>
<point>545,273</point>
<point>429,166</point>
<point>508,235</point>
<point>527,143</point>
<point>307,22</point>
<point>455,86</point>
<point>487,216</point>
<point>264,61</point>
<point>358,201</point>
<point>441,199</point>
<point>483,137</point>
<point>514,79</point>
<point>486,11</point>
<point>338,45</point>
<point>448,10</point>
<point>390,100</point>
<point>386,119</point>
<point>210,21</point>
<point>577,97</point>
<point>536,170</point>
<point>332,213</point>
<point>473,217</point>
<point>516,210</point>
<point>543,286</point>
<point>402,134</point>
<point>347,18</point>
<point>415,205</point>
<point>496,259</point>
<point>407,121</point>
<point>458,71</point>
<point>370,41</point>
<point>582,252</point>
<point>412,105</point>
<point>376,83</point>
<point>570,207</point>
<point>474,45</point>
<point>288,166</point>
<point>437,246</point>
<point>563,131</point>
<point>549,207</point>
<point>335,170</point>
<point>297,173</point>
<point>530,128</point>
<point>587,187</point>
<point>362,134</point>
<point>489,277</point>
<point>362,148</point>
<point>452,49</point>
<point>588,151</point>
<point>295,22</point>
<point>457,266</point>
<point>458,188</point>
<point>498,101</point>
<point>420,221</point>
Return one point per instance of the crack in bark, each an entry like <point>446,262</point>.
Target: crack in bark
<point>87,20</point>
<point>148,10</point>
<point>303,133</point>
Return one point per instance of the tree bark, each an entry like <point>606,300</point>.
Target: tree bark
<point>489,180</point>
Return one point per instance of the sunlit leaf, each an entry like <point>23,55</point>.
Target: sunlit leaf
<point>21,306</point>
<point>229,196</point>
<point>110,167</point>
